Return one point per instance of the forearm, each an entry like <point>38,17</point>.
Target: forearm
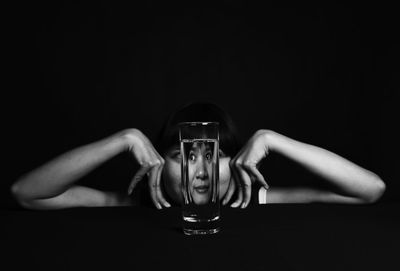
<point>56,176</point>
<point>78,196</point>
<point>350,179</point>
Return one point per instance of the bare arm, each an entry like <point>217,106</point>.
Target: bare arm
<point>53,184</point>
<point>78,196</point>
<point>354,184</point>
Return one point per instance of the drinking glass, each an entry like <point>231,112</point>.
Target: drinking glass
<point>199,142</point>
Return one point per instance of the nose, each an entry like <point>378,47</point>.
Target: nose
<point>201,169</point>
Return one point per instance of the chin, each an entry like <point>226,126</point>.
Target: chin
<point>201,200</point>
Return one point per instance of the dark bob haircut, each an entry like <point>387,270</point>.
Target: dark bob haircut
<point>203,112</point>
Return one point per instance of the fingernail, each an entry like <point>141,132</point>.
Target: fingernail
<point>167,204</point>
<point>223,202</point>
<point>129,191</point>
<point>235,204</point>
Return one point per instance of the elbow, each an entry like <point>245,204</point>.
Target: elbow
<point>19,195</point>
<point>16,191</point>
<point>377,190</point>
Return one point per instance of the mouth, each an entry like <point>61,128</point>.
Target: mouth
<point>201,189</point>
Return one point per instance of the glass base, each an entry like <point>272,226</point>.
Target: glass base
<point>196,226</point>
<point>200,231</point>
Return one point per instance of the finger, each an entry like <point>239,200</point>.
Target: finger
<point>153,187</point>
<point>239,198</point>
<point>229,193</point>
<point>137,178</point>
<point>159,191</point>
<point>257,175</point>
<point>235,179</point>
<point>246,186</point>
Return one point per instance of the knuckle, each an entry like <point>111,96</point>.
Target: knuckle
<point>248,163</point>
<point>155,163</point>
<point>146,164</point>
<point>238,163</point>
<point>136,178</point>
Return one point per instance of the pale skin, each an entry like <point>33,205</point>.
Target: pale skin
<point>54,184</point>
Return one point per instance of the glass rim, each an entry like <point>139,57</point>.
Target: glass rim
<point>198,123</point>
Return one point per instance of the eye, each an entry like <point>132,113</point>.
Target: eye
<point>192,157</point>
<point>208,156</point>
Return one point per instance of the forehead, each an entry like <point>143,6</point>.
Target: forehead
<point>196,145</point>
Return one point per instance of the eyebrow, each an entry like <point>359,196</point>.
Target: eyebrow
<point>177,147</point>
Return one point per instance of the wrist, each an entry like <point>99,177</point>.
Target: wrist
<point>127,138</point>
<point>271,139</point>
<point>117,199</point>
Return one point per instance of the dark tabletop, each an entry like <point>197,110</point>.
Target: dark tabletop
<point>269,237</point>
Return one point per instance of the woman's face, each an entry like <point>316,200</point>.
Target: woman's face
<point>199,174</point>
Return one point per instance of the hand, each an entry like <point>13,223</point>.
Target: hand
<point>151,163</point>
<point>244,169</point>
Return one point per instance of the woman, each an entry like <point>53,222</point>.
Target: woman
<point>54,185</point>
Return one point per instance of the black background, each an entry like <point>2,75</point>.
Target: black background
<point>323,74</point>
